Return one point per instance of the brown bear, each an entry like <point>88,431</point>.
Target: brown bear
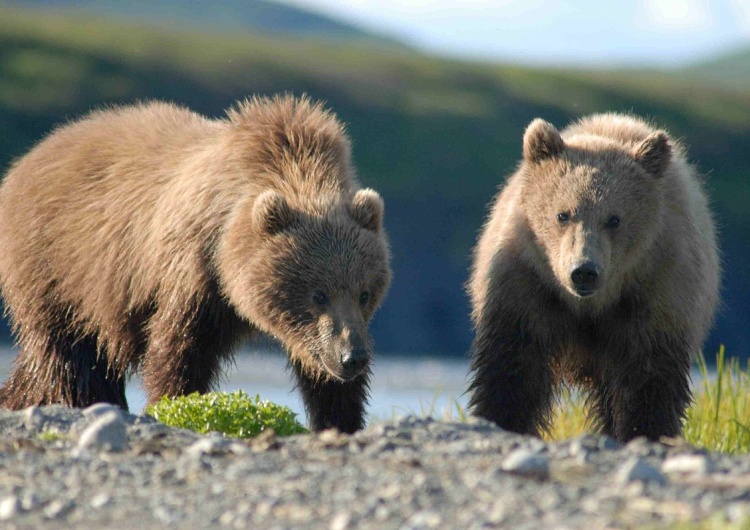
<point>151,238</point>
<point>598,265</point>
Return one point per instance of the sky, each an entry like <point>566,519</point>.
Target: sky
<point>600,32</point>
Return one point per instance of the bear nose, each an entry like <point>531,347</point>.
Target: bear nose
<point>585,277</point>
<point>354,361</point>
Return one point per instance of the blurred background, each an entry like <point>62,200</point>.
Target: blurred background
<point>436,95</point>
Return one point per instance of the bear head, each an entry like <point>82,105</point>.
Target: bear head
<point>594,206</point>
<point>310,276</point>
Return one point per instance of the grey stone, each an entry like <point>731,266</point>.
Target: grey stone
<point>29,501</point>
<point>99,409</point>
<point>106,433</point>
<point>9,507</point>
<point>424,519</point>
<point>33,418</point>
<point>608,444</point>
<point>100,500</point>
<point>637,469</point>
<point>341,521</point>
<point>526,462</point>
<point>688,464</point>
<point>58,508</point>
<point>213,445</point>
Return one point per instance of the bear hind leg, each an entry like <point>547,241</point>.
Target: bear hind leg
<point>62,367</point>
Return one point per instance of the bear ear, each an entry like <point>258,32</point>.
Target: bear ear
<point>541,141</point>
<point>271,212</point>
<point>654,153</point>
<point>367,209</point>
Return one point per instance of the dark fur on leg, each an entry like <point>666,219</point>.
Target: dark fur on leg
<point>512,378</point>
<point>647,398</point>
<point>334,404</point>
<point>186,347</point>
<point>67,370</point>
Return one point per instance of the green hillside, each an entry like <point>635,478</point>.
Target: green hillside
<point>259,16</point>
<point>435,136</point>
<point>731,69</point>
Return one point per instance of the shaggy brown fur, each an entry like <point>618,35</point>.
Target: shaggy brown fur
<point>598,264</point>
<point>151,238</point>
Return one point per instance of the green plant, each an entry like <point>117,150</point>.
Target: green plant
<point>233,414</point>
<point>718,419</point>
<point>50,435</point>
<point>569,415</point>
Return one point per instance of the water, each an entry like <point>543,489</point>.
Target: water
<point>400,385</point>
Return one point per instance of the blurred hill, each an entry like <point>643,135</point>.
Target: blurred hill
<point>434,136</point>
<point>731,69</point>
<point>257,16</point>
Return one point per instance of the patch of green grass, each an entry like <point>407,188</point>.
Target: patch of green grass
<point>452,410</point>
<point>50,435</point>
<point>717,522</point>
<point>569,416</point>
<point>233,414</point>
<point>718,420</point>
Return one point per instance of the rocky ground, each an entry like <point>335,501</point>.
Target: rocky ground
<point>99,468</point>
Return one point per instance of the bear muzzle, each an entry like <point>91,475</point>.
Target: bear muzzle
<point>347,359</point>
<point>353,362</point>
<point>585,278</point>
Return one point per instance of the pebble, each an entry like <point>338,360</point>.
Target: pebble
<point>636,469</point>
<point>688,464</point>
<point>214,445</point>
<point>99,409</point>
<point>106,433</point>
<point>33,417</point>
<point>100,500</point>
<point>340,521</point>
<point>58,508</point>
<point>9,507</point>
<point>527,462</point>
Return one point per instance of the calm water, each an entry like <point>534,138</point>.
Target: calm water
<point>400,385</point>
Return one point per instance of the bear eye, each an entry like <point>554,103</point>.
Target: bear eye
<point>320,298</point>
<point>563,218</point>
<point>612,222</point>
<point>364,297</point>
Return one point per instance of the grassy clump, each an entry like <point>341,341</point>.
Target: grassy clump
<point>718,420</point>
<point>51,435</point>
<point>569,416</point>
<point>233,414</point>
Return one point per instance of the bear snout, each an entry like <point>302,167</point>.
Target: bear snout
<point>353,362</point>
<point>585,278</point>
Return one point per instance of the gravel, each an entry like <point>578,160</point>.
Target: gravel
<point>101,468</point>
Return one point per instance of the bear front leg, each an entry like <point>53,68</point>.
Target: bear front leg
<point>647,395</point>
<point>512,382</point>
<point>334,404</point>
<point>186,346</point>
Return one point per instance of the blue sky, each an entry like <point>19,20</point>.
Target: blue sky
<point>601,32</point>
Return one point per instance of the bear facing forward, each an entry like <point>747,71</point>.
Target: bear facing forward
<point>598,266</point>
<point>150,238</point>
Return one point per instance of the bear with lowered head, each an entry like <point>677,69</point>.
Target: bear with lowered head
<point>152,239</point>
<point>598,266</point>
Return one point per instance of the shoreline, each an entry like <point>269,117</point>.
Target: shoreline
<point>101,467</point>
